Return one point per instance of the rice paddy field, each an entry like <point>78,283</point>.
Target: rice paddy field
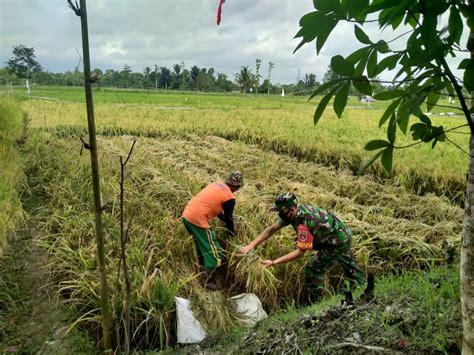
<point>187,140</point>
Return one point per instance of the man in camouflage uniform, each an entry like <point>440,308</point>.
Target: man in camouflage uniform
<point>316,229</point>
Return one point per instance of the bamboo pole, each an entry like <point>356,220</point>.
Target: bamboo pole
<point>81,11</point>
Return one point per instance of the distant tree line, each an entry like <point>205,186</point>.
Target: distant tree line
<point>23,67</point>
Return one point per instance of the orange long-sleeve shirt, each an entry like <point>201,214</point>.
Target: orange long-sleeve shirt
<point>207,204</point>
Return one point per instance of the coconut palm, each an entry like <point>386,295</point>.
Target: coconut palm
<point>245,79</point>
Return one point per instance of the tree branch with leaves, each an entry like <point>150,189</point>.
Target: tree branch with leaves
<point>421,74</point>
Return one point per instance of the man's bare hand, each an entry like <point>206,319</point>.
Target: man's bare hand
<point>244,250</point>
<point>266,263</point>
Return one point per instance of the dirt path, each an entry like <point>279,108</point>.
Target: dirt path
<point>37,324</point>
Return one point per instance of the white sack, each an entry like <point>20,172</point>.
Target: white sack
<point>249,305</point>
<point>189,329</point>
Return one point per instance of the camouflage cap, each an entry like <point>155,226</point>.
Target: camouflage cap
<point>235,178</point>
<point>288,199</point>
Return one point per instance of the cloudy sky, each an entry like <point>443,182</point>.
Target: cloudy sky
<point>143,33</point>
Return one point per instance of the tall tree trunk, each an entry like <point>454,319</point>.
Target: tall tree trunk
<point>467,243</point>
<point>467,260</point>
<point>104,297</point>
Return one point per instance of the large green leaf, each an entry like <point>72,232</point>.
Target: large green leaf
<point>429,35</point>
<point>392,128</point>
<point>310,18</point>
<point>356,8</point>
<point>468,13</point>
<point>309,27</point>
<point>417,95</point>
<point>361,36</point>
<point>393,15</point>
<point>402,122</point>
<point>342,66</point>
<point>418,130</point>
<point>322,105</point>
<point>388,95</point>
<point>425,119</point>
<point>437,7</point>
<point>360,68</point>
<point>389,111</point>
<point>324,87</point>
<point>405,66</point>
<point>327,25</point>
<point>455,25</point>
<point>397,20</point>
<point>438,135</point>
<point>378,5</point>
<point>387,63</point>
<point>372,64</point>
<point>340,100</point>
<point>387,159</point>
<point>362,84</point>
<point>326,5</point>
<point>464,63</point>
<point>365,165</point>
<point>412,19</point>
<point>432,100</point>
<point>356,56</point>
<point>382,47</point>
<point>376,144</point>
<point>469,76</point>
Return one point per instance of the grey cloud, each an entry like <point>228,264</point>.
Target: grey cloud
<point>164,32</point>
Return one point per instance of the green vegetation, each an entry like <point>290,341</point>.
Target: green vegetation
<point>414,312</point>
<point>11,166</point>
<point>394,230</point>
<point>283,125</point>
<point>181,150</point>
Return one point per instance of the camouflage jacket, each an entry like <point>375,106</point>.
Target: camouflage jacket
<point>326,231</point>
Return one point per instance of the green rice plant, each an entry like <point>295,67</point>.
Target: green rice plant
<point>11,168</point>
<point>286,130</point>
<point>154,307</point>
<point>163,175</point>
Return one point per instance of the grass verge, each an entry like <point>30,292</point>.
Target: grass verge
<point>11,167</point>
<point>416,312</point>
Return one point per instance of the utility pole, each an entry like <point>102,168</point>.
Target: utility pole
<point>156,77</point>
<point>81,11</point>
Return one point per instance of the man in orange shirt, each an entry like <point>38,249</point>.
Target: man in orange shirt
<point>215,200</point>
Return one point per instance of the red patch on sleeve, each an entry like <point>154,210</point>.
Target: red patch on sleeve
<point>305,238</point>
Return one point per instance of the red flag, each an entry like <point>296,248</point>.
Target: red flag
<point>219,12</point>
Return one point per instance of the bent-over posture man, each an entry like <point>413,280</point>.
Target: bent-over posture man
<point>316,229</point>
<point>215,200</point>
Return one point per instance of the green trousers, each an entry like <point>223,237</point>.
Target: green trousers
<point>208,248</point>
<point>317,267</point>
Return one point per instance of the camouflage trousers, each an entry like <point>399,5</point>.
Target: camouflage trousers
<point>325,259</point>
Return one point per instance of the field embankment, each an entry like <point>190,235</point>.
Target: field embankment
<point>11,210</point>
<point>31,318</point>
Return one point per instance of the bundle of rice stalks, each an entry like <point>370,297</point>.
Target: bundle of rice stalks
<point>248,270</point>
<point>215,311</point>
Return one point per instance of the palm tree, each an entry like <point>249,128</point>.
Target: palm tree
<point>245,79</point>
